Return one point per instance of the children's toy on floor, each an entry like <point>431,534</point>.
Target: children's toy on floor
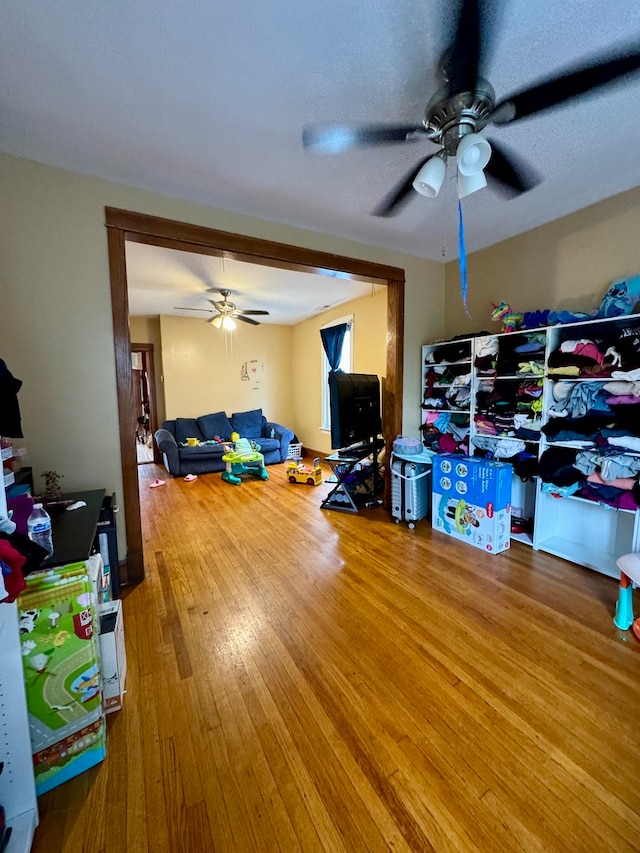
<point>629,565</point>
<point>245,458</point>
<point>310,474</point>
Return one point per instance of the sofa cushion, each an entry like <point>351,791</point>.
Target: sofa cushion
<point>216,425</point>
<point>268,445</point>
<point>187,428</point>
<point>205,451</point>
<point>248,424</point>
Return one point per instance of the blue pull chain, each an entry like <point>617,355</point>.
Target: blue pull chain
<point>462,259</point>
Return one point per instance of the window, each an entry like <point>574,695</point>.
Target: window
<point>346,364</point>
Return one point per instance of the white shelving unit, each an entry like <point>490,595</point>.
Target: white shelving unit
<point>523,494</point>
<point>575,528</point>
<point>446,391</point>
<point>17,786</point>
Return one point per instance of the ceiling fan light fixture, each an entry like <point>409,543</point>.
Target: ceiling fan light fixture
<point>228,323</point>
<point>216,322</point>
<point>473,154</point>
<point>430,178</point>
<point>468,184</point>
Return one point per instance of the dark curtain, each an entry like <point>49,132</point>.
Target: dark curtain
<point>332,340</point>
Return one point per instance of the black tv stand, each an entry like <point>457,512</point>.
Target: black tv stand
<point>359,474</point>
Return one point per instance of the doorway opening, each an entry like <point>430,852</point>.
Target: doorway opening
<point>125,226</point>
<point>144,402</point>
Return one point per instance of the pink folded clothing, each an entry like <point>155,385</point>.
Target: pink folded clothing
<point>618,483</point>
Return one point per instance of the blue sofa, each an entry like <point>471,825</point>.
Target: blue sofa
<point>181,459</point>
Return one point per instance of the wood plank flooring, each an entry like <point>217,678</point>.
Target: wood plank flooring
<point>307,680</point>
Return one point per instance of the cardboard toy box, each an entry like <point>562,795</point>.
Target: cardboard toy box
<point>112,654</point>
<point>62,672</point>
<point>471,501</point>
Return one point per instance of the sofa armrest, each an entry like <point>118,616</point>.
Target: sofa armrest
<point>168,446</point>
<point>282,433</point>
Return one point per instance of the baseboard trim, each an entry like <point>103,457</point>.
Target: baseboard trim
<point>311,453</point>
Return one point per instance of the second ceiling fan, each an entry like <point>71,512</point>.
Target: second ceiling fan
<point>226,312</point>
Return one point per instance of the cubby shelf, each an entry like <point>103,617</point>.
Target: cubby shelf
<point>574,528</point>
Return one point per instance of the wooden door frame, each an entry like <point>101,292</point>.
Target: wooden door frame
<point>123,225</point>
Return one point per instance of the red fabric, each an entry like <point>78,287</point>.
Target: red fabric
<point>13,581</point>
<point>448,444</point>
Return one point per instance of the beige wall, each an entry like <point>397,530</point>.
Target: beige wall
<point>566,264</point>
<point>146,330</point>
<point>369,356</point>
<point>55,311</point>
<point>203,369</point>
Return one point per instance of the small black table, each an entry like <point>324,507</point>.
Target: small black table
<point>74,531</point>
<point>355,487</point>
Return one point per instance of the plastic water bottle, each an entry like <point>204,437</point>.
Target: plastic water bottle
<point>39,528</point>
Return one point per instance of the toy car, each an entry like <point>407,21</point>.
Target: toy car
<point>309,474</point>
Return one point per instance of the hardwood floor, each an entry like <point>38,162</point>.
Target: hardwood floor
<point>302,679</point>
<point>144,451</point>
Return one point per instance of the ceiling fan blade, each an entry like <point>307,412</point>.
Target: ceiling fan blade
<point>572,83</point>
<point>249,311</point>
<point>335,138</point>
<point>245,319</point>
<point>460,63</point>
<point>512,175</point>
<point>394,201</point>
<point>186,308</point>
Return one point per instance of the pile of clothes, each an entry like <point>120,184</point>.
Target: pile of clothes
<point>607,476</point>
<point>595,426</point>
<point>523,457</point>
<point>449,352</point>
<point>510,406</point>
<point>447,387</point>
<point>446,432</point>
<point>612,347</point>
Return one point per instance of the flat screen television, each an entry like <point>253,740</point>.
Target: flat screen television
<point>354,406</point>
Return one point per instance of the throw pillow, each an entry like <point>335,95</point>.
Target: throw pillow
<point>187,428</point>
<point>248,424</point>
<point>216,425</point>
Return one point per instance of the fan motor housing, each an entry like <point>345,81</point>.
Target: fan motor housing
<point>452,117</point>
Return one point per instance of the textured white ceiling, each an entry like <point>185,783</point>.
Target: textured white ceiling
<point>206,101</point>
<point>165,281</point>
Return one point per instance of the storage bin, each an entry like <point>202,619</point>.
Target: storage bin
<point>294,451</point>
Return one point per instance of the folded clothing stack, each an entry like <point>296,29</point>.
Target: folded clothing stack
<point>608,476</point>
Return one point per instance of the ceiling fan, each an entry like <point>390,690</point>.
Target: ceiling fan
<point>225,312</point>
<point>462,108</point>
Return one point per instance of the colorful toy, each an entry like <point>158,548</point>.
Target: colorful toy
<point>309,474</point>
<point>514,321</point>
<point>243,458</point>
<point>621,298</point>
<point>511,320</point>
<point>629,565</point>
